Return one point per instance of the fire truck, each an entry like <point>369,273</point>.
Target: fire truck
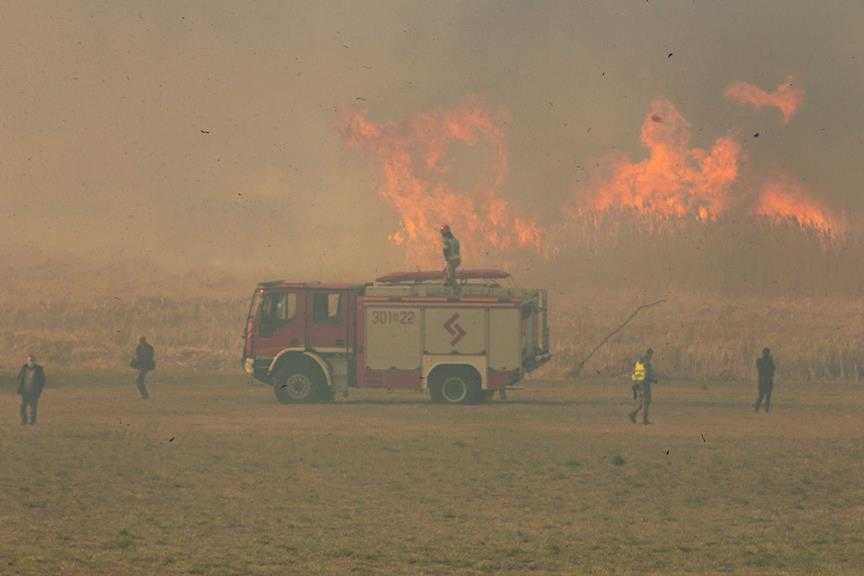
<point>311,340</point>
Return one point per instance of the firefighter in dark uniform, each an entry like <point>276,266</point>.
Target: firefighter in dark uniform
<point>31,381</point>
<point>451,254</point>
<point>765,367</point>
<point>644,378</point>
<point>144,361</point>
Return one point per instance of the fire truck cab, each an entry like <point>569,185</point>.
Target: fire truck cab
<point>310,340</point>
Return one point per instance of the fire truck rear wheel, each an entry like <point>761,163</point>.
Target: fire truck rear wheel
<point>457,387</point>
<point>297,384</point>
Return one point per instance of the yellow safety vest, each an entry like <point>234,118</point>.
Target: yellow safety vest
<point>638,372</point>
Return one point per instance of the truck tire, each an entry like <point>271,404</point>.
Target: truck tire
<point>456,386</point>
<point>298,384</point>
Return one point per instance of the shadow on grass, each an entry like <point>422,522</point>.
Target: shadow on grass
<point>489,404</point>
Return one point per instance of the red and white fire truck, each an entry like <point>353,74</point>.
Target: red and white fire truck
<point>311,340</point>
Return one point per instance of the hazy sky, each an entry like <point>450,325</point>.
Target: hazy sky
<point>103,105</point>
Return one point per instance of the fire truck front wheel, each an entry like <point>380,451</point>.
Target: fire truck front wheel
<point>456,385</point>
<point>298,383</point>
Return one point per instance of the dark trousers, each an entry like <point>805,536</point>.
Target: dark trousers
<point>33,403</point>
<point>643,402</point>
<point>451,272</point>
<point>142,388</point>
<point>765,389</point>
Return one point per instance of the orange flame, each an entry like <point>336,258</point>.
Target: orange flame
<point>786,97</point>
<point>417,165</point>
<point>674,180</point>
<point>787,200</point>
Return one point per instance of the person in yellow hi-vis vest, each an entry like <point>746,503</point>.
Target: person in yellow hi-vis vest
<point>643,378</point>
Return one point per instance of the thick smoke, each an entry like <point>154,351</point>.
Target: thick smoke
<point>201,135</point>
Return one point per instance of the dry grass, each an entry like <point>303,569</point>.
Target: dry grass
<point>697,337</point>
<point>709,337</point>
<point>724,305</point>
<point>203,333</point>
<point>555,481</point>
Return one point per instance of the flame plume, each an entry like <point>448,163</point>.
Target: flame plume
<point>786,97</point>
<point>418,163</point>
<point>784,200</point>
<point>674,180</point>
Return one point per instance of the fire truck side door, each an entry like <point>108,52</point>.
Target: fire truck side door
<point>280,322</point>
<point>328,320</point>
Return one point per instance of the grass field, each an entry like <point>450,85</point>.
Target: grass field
<point>696,336</point>
<point>212,477</point>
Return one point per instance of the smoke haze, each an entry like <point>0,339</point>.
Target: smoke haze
<point>206,133</point>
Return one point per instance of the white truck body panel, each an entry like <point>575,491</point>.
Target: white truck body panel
<point>393,337</point>
<point>408,337</point>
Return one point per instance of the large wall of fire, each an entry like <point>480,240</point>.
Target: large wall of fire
<point>418,159</point>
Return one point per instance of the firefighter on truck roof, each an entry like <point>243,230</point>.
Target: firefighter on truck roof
<point>451,254</point>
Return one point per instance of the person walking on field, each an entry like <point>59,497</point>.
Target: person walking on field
<point>643,378</point>
<point>31,381</point>
<point>144,362</point>
<point>451,254</point>
<point>765,367</point>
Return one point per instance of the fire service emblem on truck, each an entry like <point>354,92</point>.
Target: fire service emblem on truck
<point>454,329</point>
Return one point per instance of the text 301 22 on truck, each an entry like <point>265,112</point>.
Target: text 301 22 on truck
<point>310,340</point>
